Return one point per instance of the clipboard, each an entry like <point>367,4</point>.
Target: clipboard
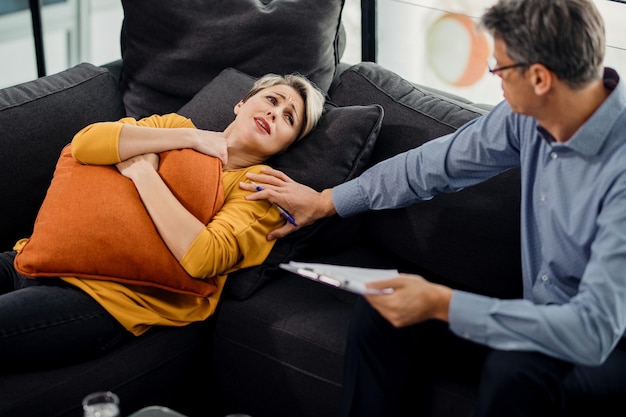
<point>349,278</point>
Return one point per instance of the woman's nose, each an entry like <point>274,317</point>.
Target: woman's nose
<point>271,114</point>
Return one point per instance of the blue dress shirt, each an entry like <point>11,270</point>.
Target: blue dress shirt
<point>573,224</point>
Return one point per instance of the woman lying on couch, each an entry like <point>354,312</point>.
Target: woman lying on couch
<point>65,298</point>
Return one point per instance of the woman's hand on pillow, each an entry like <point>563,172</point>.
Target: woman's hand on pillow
<point>132,167</point>
<point>213,144</point>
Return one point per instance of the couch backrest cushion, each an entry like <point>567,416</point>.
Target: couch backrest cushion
<point>172,48</point>
<point>337,149</point>
<point>469,239</point>
<point>37,119</point>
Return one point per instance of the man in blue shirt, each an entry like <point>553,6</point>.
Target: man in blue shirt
<point>559,350</point>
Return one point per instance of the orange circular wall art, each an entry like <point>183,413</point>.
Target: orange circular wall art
<point>457,50</point>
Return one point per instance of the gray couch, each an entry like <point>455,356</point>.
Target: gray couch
<point>275,346</point>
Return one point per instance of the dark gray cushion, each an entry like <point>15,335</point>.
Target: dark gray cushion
<point>291,330</point>
<point>212,108</point>
<point>37,119</point>
<point>434,235</point>
<point>172,48</point>
<point>338,149</point>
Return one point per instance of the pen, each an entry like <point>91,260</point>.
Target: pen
<point>283,212</point>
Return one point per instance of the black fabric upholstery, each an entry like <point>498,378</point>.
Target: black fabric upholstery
<point>469,239</point>
<point>31,121</point>
<point>337,149</point>
<point>148,370</point>
<point>172,48</point>
<point>282,333</point>
<point>212,108</point>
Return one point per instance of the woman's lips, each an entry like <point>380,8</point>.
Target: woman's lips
<point>262,123</point>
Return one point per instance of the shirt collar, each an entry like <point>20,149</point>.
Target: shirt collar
<point>594,133</point>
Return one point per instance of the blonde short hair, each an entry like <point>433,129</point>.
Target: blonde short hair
<point>311,95</point>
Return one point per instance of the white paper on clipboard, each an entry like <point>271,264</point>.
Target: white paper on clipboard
<point>349,278</point>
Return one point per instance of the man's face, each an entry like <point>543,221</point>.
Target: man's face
<point>515,86</point>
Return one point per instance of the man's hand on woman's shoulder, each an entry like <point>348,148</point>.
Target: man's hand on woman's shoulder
<point>303,203</point>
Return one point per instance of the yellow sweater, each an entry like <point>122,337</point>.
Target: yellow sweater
<point>235,238</point>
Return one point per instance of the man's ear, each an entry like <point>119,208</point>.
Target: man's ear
<point>541,78</point>
<point>237,107</point>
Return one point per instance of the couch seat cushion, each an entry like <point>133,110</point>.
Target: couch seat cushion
<point>292,332</point>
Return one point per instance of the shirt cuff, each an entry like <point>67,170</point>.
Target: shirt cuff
<point>348,199</point>
<point>468,315</point>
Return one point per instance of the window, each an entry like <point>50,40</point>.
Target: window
<point>74,31</point>
<point>438,47</point>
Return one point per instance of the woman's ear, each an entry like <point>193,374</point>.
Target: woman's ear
<point>237,107</point>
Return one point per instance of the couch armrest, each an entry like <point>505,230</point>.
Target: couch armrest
<point>37,119</point>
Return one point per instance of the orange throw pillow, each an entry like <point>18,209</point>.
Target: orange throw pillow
<point>92,223</point>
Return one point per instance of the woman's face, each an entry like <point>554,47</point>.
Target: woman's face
<point>269,121</point>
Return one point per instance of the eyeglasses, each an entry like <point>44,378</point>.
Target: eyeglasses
<point>491,63</point>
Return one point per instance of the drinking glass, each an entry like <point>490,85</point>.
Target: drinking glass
<point>101,404</point>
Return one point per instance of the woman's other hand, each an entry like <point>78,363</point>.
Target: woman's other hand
<point>137,164</point>
<point>212,143</point>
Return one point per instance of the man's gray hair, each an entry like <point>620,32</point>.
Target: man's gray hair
<point>567,36</point>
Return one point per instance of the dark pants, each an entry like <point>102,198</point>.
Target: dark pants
<point>388,371</point>
<point>46,322</point>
